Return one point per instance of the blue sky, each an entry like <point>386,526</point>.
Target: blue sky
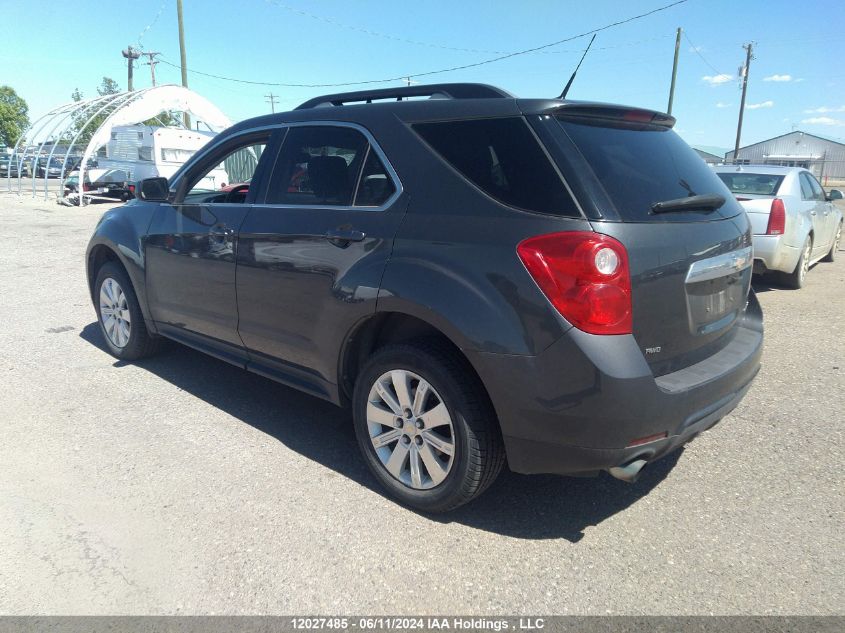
<point>797,78</point>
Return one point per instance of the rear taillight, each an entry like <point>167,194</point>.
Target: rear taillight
<point>777,218</point>
<point>86,187</point>
<point>132,189</point>
<point>585,276</point>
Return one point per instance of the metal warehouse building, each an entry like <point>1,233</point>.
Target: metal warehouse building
<point>824,157</point>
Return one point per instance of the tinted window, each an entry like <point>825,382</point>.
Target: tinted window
<point>375,186</point>
<point>639,166</point>
<point>318,166</point>
<point>753,184</point>
<point>503,158</point>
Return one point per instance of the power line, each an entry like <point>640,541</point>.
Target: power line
<point>406,76</point>
<point>698,52</point>
<point>151,24</point>
<point>395,38</point>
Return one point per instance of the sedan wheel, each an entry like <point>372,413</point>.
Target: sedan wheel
<point>831,256</point>
<point>796,278</point>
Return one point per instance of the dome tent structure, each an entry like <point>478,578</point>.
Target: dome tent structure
<point>67,126</point>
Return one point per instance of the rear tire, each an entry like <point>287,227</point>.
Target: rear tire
<point>797,277</point>
<point>453,414</point>
<point>831,256</point>
<point>119,315</point>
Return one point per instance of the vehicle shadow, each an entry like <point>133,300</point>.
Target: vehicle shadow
<point>520,506</point>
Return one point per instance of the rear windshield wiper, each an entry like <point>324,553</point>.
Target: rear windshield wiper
<point>708,202</point>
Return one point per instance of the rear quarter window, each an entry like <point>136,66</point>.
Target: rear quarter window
<point>503,158</point>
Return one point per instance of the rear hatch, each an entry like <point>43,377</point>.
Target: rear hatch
<point>755,192</point>
<point>690,257</point>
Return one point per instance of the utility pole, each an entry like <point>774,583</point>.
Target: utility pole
<point>131,55</point>
<point>748,57</point>
<point>271,99</point>
<point>674,71</point>
<point>182,56</point>
<point>152,64</point>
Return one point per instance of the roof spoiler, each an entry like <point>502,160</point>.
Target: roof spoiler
<point>611,114</point>
<point>432,91</point>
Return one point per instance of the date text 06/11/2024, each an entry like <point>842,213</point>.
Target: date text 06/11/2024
<point>418,624</point>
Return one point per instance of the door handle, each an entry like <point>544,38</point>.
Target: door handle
<point>345,235</point>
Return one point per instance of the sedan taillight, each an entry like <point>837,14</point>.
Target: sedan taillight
<point>777,218</point>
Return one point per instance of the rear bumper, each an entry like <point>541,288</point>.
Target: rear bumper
<point>771,253</point>
<point>576,408</point>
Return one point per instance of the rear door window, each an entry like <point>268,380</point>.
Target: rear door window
<point>503,158</point>
<point>639,166</point>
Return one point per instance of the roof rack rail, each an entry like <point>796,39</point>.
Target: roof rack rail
<point>441,91</point>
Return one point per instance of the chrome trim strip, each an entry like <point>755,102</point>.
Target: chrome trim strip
<point>720,266</point>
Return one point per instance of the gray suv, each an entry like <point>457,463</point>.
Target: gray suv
<point>562,287</point>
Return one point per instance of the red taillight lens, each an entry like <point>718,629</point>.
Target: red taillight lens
<point>86,187</point>
<point>777,218</point>
<point>585,276</point>
<point>132,189</point>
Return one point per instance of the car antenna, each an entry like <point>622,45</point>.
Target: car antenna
<point>572,78</point>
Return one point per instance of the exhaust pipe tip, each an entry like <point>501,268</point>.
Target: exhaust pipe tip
<point>629,472</point>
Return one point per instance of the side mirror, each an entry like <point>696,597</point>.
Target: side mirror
<point>154,190</point>
<point>834,194</point>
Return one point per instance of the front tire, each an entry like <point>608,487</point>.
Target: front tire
<point>426,427</point>
<point>831,256</point>
<point>797,277</point>
<point>119,315</point>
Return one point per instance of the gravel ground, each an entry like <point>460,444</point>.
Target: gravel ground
<point>183,485</point>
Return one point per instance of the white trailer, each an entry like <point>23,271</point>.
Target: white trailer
<point>144,151</point>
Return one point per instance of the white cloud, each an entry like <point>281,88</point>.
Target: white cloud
<point>715,80</point>
<point>823,120</point>
<point>778,78</point>
<point>757,106</point>
<point>824,110</point>
<point>723,105</point>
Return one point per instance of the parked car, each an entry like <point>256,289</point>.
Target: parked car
<point>51,168</point>
<point>109,183</point>
<point>794,223</point>
<point>560,286</point>
<point>8,166</point>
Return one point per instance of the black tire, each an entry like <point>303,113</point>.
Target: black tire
<point>831,256</point>
<point>478,450</point>
<point>797,277</point>
<point>140,343</point>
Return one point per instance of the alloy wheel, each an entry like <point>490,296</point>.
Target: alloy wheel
<point>114,313</point>
<point>805,263</point>
<point>410,429</point>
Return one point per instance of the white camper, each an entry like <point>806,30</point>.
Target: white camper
<point>144,151</point>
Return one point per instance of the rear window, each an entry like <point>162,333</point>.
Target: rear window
<point>641,165</point>
<point>752,184</point>
<point>503,158</point>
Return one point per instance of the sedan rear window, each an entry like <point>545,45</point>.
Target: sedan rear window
<point>639,166</point>
<point>752,184</point>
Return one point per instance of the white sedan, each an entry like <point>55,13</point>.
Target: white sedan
<point>794,223</point>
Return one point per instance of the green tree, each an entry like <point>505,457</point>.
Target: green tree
<point>14,116</point>
<point>108,87</point>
